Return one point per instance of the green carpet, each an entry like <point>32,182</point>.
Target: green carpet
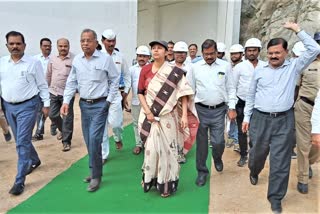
<point>120,191</point>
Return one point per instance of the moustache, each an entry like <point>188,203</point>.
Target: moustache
<point>15,49</point>
<point>274,58</point>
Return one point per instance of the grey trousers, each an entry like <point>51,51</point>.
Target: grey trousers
<point>274,135</point>
<point>212,120</point>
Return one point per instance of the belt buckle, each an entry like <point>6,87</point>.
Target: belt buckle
<point>212,107</point>
<point>273,114</point>
<point>90,101</point>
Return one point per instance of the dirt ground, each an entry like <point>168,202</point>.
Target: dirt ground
<point>231,191</point>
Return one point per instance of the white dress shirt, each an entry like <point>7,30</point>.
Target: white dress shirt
<point>213,84</point>
<point>134,80</point>
<point>186,66</point>
<point>315,118</point>
<point>22,80</point>
<point>44,62</point>
<point>242,75</point>
<point>94,78</point>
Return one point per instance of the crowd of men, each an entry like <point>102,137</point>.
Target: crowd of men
<point>256,97</point>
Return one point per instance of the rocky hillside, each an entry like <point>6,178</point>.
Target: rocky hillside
<point>264,19</point>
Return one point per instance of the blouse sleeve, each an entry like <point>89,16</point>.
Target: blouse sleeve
<point>142,79</point>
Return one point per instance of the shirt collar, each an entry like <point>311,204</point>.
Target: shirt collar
<point>95,54</point>
<point>285,63</point>
<point>66,57</point>
<point>23,59</point>
<point>217,62</point>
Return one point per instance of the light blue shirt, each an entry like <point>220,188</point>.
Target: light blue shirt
<point>95,77</point>
<point>22,80</point>
<point>272,89</point>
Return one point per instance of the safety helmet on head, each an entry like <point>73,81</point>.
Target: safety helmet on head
<point>180,47</point>
<point>109,34</point>
<point>143,50</point>
<point>253,43</point>
<point>298,48</point>
<point>221,47</point>
<point>236,48</point>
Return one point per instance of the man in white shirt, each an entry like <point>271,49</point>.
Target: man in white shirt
<point>143,56</point>
<point>115,116</point>
<point>43,57</point>
<point>212,82</point>
<point>242,75</point>
<point>21,82</point>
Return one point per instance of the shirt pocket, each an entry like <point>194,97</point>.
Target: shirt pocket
<point>98,74</point>
<point>220,78</point>
<point>24,77</point>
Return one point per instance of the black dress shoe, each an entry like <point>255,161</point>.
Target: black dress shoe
<point>243,160</point>
<point>310,172</point>
<point>302,188</point>
<point>94,184</point>
<point>33,167</point>
<point>254,179</point>
<point>201,180</point>
<point>276,208</point>
<point>17,189</point>
<point>218,164</point>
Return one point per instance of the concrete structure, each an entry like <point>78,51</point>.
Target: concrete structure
<point>189,20</point>
<point>135,21</point>
<point>67,19</point>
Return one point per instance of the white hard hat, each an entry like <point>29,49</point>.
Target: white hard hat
<point>180,47</point>
<point>109,34</point>
<point>236,48</point>
<point>253,43</point>
<point>298,48</point>
<point>143,50</point>
<point>221,47</point>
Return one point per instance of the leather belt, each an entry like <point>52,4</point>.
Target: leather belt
<point>212,107</point>
<point>274,114</point>
<point>310,102</point>
<point>92,101</point>
<point>18,103</point>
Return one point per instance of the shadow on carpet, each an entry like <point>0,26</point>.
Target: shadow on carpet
<point>120,191</point>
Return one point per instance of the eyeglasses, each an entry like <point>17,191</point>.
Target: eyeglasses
<point>87,40</point>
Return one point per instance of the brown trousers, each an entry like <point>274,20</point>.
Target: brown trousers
<point>307,154</point>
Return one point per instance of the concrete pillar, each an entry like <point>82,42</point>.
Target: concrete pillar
<point>229,13</point>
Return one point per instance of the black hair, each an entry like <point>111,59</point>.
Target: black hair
<point>278,41</point>
<point>45,39</point>
<point>15,33</point>
<point>193,45</point>
<point>208,43</point>
<point>171,42</point>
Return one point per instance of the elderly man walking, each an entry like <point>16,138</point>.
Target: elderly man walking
<point>95,76</point>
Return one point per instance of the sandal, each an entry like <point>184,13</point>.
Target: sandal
<point>119,145</point>
<point>137,150</point>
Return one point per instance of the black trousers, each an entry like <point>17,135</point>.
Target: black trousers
<point>274,135</point>
<point>65,123</point>
<point>213,120</point>
<point>242,137</point>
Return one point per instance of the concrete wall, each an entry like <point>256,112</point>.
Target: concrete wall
<point>189,20</point>
<point>67,19</point>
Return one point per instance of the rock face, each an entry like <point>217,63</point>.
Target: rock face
<point>263,19</point>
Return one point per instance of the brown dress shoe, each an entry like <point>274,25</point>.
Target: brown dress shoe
<point>87,179</point>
